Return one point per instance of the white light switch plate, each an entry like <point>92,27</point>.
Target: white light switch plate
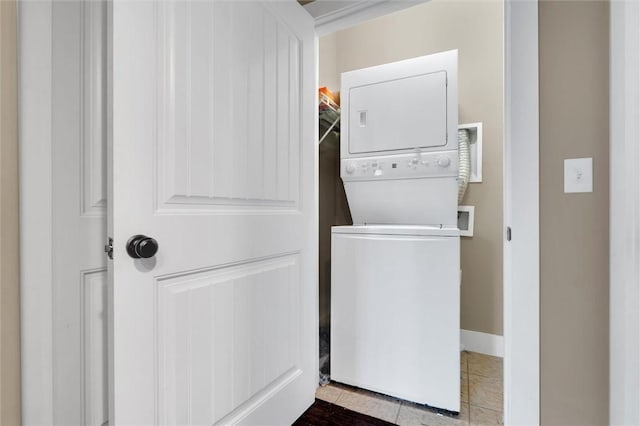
<point>578,175</point>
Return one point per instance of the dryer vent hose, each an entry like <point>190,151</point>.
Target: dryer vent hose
<point>464,169</point>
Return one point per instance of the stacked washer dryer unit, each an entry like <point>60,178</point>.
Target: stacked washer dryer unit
<point>395,279</point>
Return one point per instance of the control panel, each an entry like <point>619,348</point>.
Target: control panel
<point>404,166</point>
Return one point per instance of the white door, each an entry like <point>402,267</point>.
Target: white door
<point>213,155</point>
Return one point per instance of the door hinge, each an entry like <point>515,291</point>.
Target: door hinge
<point>108,248</point>
<point>508,233</point>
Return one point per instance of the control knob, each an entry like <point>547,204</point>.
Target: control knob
<point>444,161</point>
<point>350,168</point>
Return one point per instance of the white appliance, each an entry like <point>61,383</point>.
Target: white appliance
<point>395,279</point>
<point>394,323</point>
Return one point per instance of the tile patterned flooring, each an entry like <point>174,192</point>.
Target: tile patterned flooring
<point>481,397</point>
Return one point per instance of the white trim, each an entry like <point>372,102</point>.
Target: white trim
<point>34,91</point>
<point>331,16</point>
<point>484,343</point>
<point>471,213</point>
<point>521,213</point>
<point>624,220</point>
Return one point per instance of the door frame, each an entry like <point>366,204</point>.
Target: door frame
<point>624,218</point>
<point>36,209</point>
<point>35,85</point>
<point>521,262</point>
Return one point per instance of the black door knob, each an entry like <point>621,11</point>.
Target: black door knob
<point>141,246</point>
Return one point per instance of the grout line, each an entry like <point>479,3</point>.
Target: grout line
<point>398,413</point>
<point>501,377</point>
<point>340,392</point>
<point>465,383</point>
<point>501,413</point>
<point>339,398</point>
<point>485,408</point>
<point>493,377</point>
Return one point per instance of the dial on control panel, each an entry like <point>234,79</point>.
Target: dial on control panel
<point>350,168</point>
<point>444,161</point>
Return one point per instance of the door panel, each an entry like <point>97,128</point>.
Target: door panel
<point>216,319</point>
<point>94,347</point>
<point>79,212</point>
<point>213,155</point>
<point>213,90</point>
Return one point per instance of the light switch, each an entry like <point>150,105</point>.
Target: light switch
<point>578,175</point>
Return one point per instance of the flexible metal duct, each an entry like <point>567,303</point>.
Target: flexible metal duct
<point>464,170</point>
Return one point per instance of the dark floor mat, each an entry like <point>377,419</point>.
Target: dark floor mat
<point>323,413</point>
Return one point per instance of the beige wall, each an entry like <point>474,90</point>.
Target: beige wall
<point>475,29</point>
<point>328,74</point>
<point>9,239</point>
<point>574,241</point>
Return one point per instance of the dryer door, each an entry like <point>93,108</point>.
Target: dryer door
<point>401,107</point>
<point>400,114</point>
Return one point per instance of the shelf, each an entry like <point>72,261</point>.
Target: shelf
<point>329,117</point>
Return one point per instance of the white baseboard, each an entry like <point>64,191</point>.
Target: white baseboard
<point>484,343</point>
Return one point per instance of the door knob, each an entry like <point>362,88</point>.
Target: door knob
<point>141,246</point>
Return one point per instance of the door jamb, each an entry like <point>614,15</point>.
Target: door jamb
<point>624,218</point>
<point>521,214</point>
<point>36,196</point>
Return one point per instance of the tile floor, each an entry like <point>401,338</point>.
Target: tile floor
<point>481,397</point>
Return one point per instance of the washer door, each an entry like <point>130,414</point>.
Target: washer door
<point>395,316</point>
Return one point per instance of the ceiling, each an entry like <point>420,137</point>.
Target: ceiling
<point>334,15</point>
